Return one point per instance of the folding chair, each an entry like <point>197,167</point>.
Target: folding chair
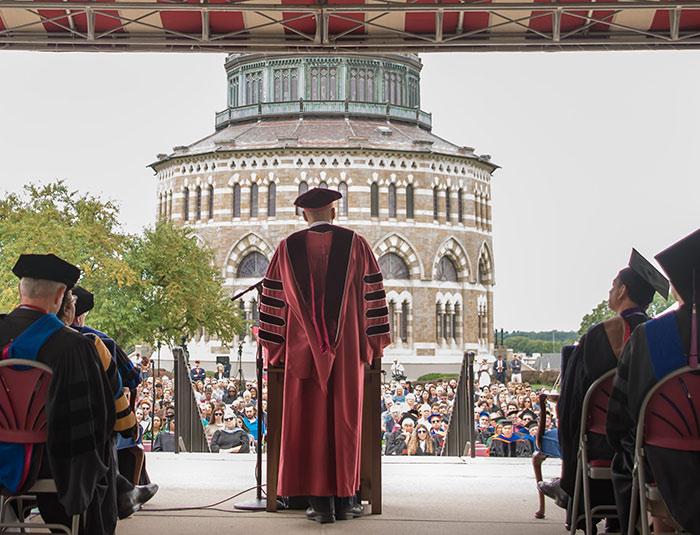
<point>593,416</point>
<point>24,387</point>
<point>669,418</point>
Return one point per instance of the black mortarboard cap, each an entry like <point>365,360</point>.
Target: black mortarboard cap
<point>504,421</point>
<point>512,413</point>
<point>533,423</point>
<point>85,302</point>
<point>317,198</point>
<point>46,267</point>
<point>679,261</point>
<point>642,280</point>
<point>528,412</point>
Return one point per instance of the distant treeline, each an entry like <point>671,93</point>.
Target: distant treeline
<point>530,342</point>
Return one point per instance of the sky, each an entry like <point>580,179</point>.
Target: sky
<point>600,151</point>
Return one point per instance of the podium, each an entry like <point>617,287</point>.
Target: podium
<point>371,445</point>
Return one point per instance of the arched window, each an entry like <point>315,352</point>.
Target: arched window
<point>236,200</point>
<point>254,200</point>
<point>477,209</point>
<point>436,203</point>
<point>198,204</point>
<point>323,83</point>
<point>344,202</point>
<point>323,184</point>
<point>374,200</point>
<point>484,273</point>
<point>303,188</point>
<point>460,206</point>
<point>160,205</point>
<point>457,322</point>
<point>210,212</point>
<point>409,201</point>
<point>271,199</point>
<point>448,205</point>
<point>392,200</point>
<point>186,204</point>
<point>403,327</point>
<point>253,87</point>
<point>170,205</point>
<point>439,312</point>
<point>392,319</point>
<point>253,265</point>
<point>446,270</point>
<point>393,267</point>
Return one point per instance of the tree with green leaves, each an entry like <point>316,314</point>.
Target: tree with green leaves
<point>602,312</point>
<point>80,228</point>
<point>180,291</point>
<point>160,286</point>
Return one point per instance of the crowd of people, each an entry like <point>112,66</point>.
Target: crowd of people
<point>416,415</point>
<point>228,414</point>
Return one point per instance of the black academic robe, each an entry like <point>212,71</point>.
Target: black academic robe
<point>79,453</point>
<point>676,473</point>
<point>596,353</point>
<point>502,446</point>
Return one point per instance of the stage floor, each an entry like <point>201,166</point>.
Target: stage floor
<point>437,495</point>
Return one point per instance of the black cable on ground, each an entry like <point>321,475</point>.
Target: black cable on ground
<point>203,507</point>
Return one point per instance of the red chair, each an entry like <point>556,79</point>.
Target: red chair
<point>663,422</point>
<point>593,416</point>
<point>24,387</point>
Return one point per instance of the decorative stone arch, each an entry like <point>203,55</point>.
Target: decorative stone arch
<point>400,304</point>
<point>200,241</point>
<point>247,244</point>
<point>448,298</point>
<point>395,243</point>
<point>452,249</point>
<point>484,271</point>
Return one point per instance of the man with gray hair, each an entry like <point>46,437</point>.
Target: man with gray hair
<point>79,453</point>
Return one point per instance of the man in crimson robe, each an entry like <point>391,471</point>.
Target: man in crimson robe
<point>323,315</point>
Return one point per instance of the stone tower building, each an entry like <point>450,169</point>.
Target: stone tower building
<point>351,123</point>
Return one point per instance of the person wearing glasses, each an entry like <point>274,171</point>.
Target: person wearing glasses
<point>421,443</point>
<point>230,439</point>
<point>216,423</point>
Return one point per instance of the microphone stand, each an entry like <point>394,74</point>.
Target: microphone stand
<point>258,503</point>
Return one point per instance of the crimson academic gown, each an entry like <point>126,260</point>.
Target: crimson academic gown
<point>323,315</point>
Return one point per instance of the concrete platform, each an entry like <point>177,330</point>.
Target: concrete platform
<point>436,495</point>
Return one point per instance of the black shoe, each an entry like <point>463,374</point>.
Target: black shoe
<point>130,502</point>
<point>145,492</point>
<point>348,508</point>
<point>552,489</point>
<point>321,509</point>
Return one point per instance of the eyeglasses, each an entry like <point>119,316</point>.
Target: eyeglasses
<point>228,419</point>
<point>218,414</point>
<point>421,431</point>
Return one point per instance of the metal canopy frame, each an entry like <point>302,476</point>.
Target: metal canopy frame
<point>373,26</point>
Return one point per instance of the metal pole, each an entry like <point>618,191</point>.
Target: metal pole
<point>240,365</point>
<point>470,403</point>
<point>258,451</point>
<point>153,405</point>
<point>258,504</point>
<point>177,395</point>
